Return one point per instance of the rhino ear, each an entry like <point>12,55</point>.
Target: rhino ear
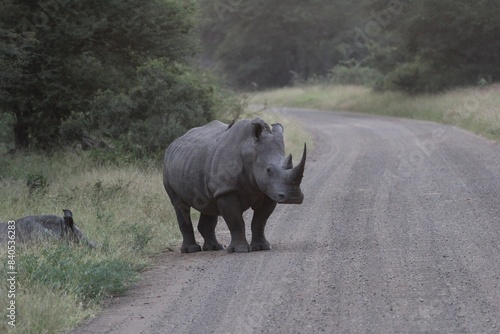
<point>67,213</point>
<point>68,219</point>
<point>277,127</point>
<point>257,129</point>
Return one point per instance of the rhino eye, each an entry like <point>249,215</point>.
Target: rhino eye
<point>269,171</point>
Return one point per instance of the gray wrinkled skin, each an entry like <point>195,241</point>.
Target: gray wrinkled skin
<point>46,227</point>
<point>225,170</point>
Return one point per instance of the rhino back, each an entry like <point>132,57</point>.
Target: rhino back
<point>39,227</point>
<point>207,162</point>
<point>187,163</point>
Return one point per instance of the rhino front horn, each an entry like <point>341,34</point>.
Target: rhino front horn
<point>298,171</point>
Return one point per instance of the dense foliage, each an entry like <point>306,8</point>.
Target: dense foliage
<point>448,43</point>
<point>416,46</point>
<point>117,67</point>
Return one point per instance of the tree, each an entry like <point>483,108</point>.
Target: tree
<point>164,103</point>
<point>446,44</point>
<point>76,49</point>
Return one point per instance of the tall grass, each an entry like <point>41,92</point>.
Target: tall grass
<point>476,109</point>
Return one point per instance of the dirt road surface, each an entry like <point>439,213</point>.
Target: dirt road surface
<point>399,232</point>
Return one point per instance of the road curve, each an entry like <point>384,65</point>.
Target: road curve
<point>399,232</point>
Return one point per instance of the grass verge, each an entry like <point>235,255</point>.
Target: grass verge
<point>476,109</point>
<point>123,209</point>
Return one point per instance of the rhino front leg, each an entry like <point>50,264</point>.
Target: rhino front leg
<point>230,208</point>
<point>206,226</point>
<point>262,210</point>
<point>189,244</point>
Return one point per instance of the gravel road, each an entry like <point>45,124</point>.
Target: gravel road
<point>399,232</point>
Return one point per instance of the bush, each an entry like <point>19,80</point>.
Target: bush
<point>166,101</point>
<point>411,78</point>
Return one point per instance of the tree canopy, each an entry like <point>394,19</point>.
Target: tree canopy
<point>63,58</point>
<point>449,43</point>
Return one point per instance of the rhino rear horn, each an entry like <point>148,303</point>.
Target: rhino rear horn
<point>287,164</point>
<point>68,219</point>
<point>298,171</point>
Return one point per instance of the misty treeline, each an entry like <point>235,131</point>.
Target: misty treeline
<point>130,75</point>
<point>413,46</point>
<point>106,73</point>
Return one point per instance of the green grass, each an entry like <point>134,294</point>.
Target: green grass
<point>122,207</point>
<point>475,109</point>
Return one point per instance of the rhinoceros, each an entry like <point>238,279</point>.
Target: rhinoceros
<point>223,170</point>
<point>44,227</point>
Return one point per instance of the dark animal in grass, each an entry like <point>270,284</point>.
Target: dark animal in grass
<point>225,170</point>
<point>45,227</point>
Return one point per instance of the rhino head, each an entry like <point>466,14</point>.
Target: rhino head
<point>274,173</point>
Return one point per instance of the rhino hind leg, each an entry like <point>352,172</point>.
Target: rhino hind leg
<point>189,244</point>
<point>183,213</point>
<point>206,226</point>
<point>262,210</point>
<point>230,209</point>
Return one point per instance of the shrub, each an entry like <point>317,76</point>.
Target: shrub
<point>166,101</point>
<point>412,78</point>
